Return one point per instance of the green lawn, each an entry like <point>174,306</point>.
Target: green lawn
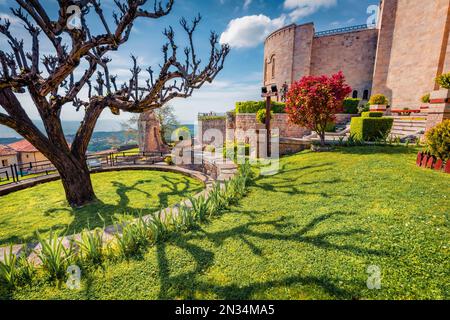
<point>43,208</point>
<point>309,232</point>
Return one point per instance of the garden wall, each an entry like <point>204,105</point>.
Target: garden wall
<point>247,121</point>
<point>207,124</point>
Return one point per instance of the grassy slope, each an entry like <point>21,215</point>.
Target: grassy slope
<point>44,207</point>
<point>309,232</point>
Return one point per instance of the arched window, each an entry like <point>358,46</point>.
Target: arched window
<point>355,94</point>
<point>366,95</point>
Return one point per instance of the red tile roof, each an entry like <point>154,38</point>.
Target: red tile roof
<point>23,146</point>
<point>6,151</point>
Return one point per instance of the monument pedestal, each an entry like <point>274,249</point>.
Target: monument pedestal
<point>439,108</point>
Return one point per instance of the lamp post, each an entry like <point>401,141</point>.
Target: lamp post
<point>268,95</point>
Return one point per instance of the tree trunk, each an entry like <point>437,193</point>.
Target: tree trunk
<point>76,180</point>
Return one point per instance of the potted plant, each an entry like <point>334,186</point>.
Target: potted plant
<point>443,94</point>
<point>378,102</point>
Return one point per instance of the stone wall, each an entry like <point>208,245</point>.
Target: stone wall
<point>217,124</point>
<point>352,53</point>
<point>247,121</point>
<point>412,50</point>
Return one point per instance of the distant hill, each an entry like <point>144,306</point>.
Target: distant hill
<point>69,127</point>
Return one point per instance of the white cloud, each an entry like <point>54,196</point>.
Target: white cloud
<point>303,8</point>
<point>250,31</point>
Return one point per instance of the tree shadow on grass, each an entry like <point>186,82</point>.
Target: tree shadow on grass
<point>368,150</point>
<point>189,284</point>
<point>100,214</point>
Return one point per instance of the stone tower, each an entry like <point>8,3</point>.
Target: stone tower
<point>150,133</point>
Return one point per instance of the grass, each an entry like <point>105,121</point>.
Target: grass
<point>43,208</point>
<point>25,177</point>
<point>309,232</point>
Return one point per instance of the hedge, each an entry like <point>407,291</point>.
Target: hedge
<point>372,114</point>
<point>255,106</point>
<point>351,105</point>
<point>370,129</point>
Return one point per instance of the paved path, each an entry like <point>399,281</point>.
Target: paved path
<point>34,248</point>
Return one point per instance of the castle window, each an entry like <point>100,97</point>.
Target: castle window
<point>366,95</point>
<point>355,94</point>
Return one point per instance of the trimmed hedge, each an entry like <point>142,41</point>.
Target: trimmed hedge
<point>255,106</point>
<point>370,129</point>
<point>372,114</point>
<point>351,105</point>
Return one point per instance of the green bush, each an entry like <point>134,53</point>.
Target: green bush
<point>255,106</point>
<point>444,80</point>
<point>169,160</point>
<point>378,99</point>
<point>351,105</point>
<point>438,140</point>
<point>370,129</point>
<point>211,118</point>
<point>181,134</point>
<point>372,114</point>
<point>261,116</point>
<point>425,98</point>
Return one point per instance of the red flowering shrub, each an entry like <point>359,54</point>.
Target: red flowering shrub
<point>313,101</point>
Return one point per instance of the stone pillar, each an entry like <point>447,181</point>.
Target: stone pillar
<point>439,109</point>
<point>150,139</point>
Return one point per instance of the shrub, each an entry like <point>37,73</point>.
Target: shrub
<point>200,208</point>
<point>181,134</point>
<point>169,160</point>
<point>261,116</point>
<point>370,129</point>
<point>211,118</point>
<point>255,106</point>
<point>425,98</point>
<point>351,105</point>
<point>438,140</point>
<point>372,114</point>
<point>54,256</point>
<point>184,220</point>
<point>444,80</point>
<point>378,99</point>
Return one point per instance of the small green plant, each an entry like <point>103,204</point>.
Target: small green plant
<point>133,239</point>
<point>200,207</point>
<point>217,202</point>
<point>158,227</point>
<point>378,99</point>
<point>438,140</point>
<point>54,256</point>
<point>183,220</point>
<point>261,116</point>
<point>425,98</point>
<point>444,81</point>
<point>169,160</point>
<point>341,141</point>
<point>91,249</point>
<point>8,268</point>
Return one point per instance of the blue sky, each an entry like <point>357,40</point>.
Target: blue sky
<point>242,23</point>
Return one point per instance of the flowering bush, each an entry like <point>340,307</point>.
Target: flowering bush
<point>438,140</point>
<point>313,101</point>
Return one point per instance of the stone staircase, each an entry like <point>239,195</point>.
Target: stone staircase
<point>404,127</point>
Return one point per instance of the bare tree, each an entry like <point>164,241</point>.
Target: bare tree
<point>51,79</point>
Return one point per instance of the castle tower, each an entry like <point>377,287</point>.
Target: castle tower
<point>150,139</point>
<point>413,48</point>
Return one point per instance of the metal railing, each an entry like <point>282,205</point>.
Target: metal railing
<point>18,172</point>
<point>342,30</point>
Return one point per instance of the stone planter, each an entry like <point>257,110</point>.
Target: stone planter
<point>439,108</point>
<point>378,107</point>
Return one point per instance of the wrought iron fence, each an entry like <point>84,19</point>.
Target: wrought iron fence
<point>18,172</point>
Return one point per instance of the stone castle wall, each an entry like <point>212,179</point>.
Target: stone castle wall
<point>353,53</point>
<point>247,121</point>
<point>413,49</point>
<point>400,58</point>
<point>297,52</point>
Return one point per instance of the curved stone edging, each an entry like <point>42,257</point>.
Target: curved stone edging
<point>109,231</point>
<point>10,188</point>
